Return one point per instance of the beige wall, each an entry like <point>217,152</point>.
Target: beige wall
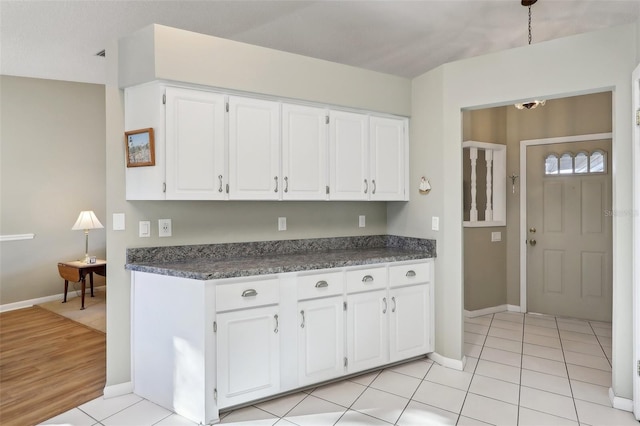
<point>228,221</point>
<point>52,167</point>
<point>569,66</point>
<point>492,270</point>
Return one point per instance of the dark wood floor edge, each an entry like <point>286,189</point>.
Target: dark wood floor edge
<point>69,319</point>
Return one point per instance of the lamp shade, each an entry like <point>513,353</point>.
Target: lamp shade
<point>87,220</point>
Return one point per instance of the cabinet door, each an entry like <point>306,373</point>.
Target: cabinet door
<point>367,330</point>
<point>254,149</point>
<point>320,340</point>
<point>248,355</point>
<point>195,145</point>
<point>304,152</point>
<point>409,319</point>
<point>348,156</point>
<point>387,144</point>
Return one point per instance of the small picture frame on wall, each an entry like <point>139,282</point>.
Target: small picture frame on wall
<point>140,148</point>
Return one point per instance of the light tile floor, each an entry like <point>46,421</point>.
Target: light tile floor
<point>521,370</point>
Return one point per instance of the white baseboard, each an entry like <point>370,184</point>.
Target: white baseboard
<point>491,310</point>
<point>620,403</point>
<point>29,303</point>
<point>456,364</point>
<point>118,390</point>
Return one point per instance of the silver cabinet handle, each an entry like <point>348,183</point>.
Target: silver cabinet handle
<point>286,184</point>
<point>384,299</point>
<point>322,284</point>
<point>373,181</point>
<point>393,299</point>
<point>367,279</point>
<point>276,179</point>
<point>302,313</point>
<point>220,179</point>
<point>249,293</point>
<point>366,186</point>
<point>275,317</point>
<point>411,274</point>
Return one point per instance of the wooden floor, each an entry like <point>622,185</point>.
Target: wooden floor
<point>48,365</point>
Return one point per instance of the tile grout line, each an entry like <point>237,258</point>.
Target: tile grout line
<point>414,394</point>
<point>573,399</point>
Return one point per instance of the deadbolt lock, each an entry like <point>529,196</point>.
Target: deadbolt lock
<point>532,230</point>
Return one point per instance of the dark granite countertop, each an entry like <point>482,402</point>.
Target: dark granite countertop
<point>216,261</point>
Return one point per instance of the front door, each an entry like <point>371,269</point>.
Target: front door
<point>569,245</point>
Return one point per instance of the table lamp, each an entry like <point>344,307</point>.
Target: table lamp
<point>87,220</point>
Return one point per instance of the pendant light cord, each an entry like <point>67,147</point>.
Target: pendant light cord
<point>529,24</point>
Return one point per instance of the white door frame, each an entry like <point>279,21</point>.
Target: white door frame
<point>635,176</point>
<point>523,198</point>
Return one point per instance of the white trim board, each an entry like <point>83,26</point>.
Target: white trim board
<point>523,196</point>
<point>456,364</point>
<point>37,301</point>
<point>491,310</point>
<point>620,403</point>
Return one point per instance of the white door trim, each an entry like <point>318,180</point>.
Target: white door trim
<point>635,176</point>
<point>523,197</point>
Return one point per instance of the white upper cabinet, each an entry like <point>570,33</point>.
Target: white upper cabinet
<point>348,158</point>
<point>254,149</point>
<point>304,152</point>
<point>387,172</point>
<point>195,132</point>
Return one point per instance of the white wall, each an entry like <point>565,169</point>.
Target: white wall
<point>569,66</point>
<point>194,58</point>
<point>52,167</point>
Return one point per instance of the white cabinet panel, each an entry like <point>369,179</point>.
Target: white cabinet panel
<point>367,330</point>
<point>195,129</point>
<point>248,355</point>
<point>348,140</point>
<point>304,152</point>
<point>387,146</point>
<point>409,322</point>
<point>320,340</point>
<point>254,149</point>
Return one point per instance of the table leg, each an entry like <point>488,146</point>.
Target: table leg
<point>91,281</point>
<point>83,289</point>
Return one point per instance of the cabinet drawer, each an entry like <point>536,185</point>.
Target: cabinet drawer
<point>320,285</point>
<point>366,279</point>
<point>247,294</point>
<point>409,274</point>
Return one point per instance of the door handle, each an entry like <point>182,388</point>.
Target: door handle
<point>532,242</point>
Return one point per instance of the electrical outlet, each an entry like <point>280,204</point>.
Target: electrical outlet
<point>362,221</point>
<point>144,229</point>
<point>164,227</point>
<point>282,224</point>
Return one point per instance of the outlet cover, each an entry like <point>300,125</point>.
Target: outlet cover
<point>435,223</point>
<point>496,236</point>
<point>282,224</point>
<point>118,222</point>
<point>362,221</point>
<point>164,227</point>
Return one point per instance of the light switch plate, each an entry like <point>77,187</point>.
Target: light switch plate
<point>118,222</point>
<point>435,223</point>
<point>362,221</point>
<point>496,236</point>
<point>282,224</point>
<point>144,228</point>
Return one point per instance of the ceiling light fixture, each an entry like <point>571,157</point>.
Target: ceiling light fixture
<point>535,103</point>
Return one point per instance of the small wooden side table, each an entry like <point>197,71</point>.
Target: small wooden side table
<point>77,271</point>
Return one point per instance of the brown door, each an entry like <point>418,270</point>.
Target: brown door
<point>569,247</point>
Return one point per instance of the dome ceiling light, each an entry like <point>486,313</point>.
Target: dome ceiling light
<point>535,103</point>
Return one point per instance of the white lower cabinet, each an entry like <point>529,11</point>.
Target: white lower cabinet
<point>367,330</point>
<point>248,355</point>
<point>409,322</point>
<point>320,340</point>
<point>201,346</point>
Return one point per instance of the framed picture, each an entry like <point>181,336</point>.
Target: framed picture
<point>140,148</point>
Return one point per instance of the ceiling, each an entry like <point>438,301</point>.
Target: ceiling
<point>59,39</point>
